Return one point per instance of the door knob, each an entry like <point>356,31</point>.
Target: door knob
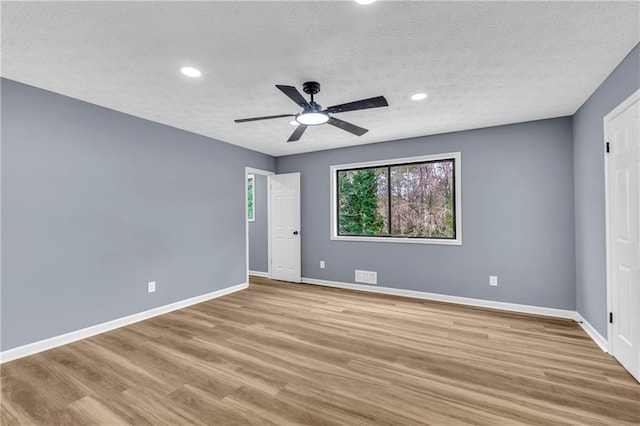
<point>295,232</point>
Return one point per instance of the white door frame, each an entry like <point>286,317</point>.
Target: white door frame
<point>247,172</point>
<point>607,118</point>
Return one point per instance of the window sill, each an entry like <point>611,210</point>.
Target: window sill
<point>456,242</point>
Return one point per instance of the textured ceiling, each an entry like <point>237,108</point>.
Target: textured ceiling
<point>482,63</point>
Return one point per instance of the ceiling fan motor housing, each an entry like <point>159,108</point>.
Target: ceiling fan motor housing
<point>311,87</point>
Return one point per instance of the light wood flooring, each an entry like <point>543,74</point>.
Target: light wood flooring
<point>280,353</point>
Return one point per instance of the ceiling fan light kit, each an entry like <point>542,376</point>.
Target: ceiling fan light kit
<point>312,113</point>
<point>312,118</point>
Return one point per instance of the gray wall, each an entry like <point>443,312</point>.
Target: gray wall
<point>588,163</point>
<point>517,201</point>
<point>258,231</point>
<point>95,203</point>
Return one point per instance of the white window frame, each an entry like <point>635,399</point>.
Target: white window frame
<point>457,166</point>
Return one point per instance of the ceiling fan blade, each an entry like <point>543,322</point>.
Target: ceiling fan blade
<point>297,133</point>
<point>269,117</point>
<point>376,102</point>
<point>351,128</point>
<point>295,96</point>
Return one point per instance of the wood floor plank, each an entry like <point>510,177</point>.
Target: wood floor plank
<point>286,354</point>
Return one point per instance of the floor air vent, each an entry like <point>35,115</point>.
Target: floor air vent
<point>366,277</point>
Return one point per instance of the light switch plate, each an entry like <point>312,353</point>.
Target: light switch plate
<point>151,287</point>
<point>493,281</point>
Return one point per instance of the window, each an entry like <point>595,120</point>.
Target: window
<point>251,195</point>
<point>413,200</point>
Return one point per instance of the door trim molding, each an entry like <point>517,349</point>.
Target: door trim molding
<point>633,98</point>
<point>253,171</point>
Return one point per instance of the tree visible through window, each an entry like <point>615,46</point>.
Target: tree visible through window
<point>251,195</point>
<point>415,200</point>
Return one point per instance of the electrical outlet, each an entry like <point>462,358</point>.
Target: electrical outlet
<point>493,281</point>
<point>322,264</point>
<point>151,287</point>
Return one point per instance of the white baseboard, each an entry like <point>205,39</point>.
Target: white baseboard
<point>259,274</point>
<point>63,339</point>
<point>512,307</point>
<point>504,306</point>
<point>43,345</point>
<point>592,332</point>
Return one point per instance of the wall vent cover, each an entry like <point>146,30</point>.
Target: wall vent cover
<point>366,277</point>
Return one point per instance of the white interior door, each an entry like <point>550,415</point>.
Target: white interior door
<point>285,227</point>
<point>623,132</point>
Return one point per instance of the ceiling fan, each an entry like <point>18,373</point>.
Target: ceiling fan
<point>312,113</point>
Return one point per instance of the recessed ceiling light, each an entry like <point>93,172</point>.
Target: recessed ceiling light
<point>190,72</point>
<point>418,96</point>
<point>294,123</point>
<point>365,1</point>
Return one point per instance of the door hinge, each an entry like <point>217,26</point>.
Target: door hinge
<point>611,317</point>
<point>608,147</point>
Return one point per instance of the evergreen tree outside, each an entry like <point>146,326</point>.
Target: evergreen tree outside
<point>358,203</point>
